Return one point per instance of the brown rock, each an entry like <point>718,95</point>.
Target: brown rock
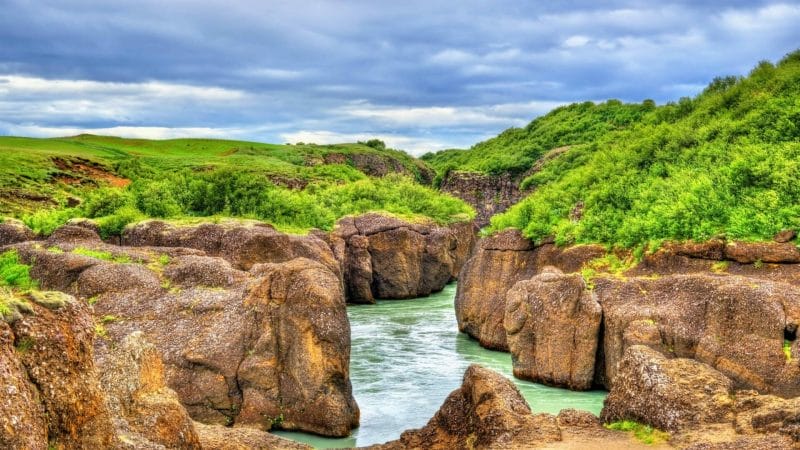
<point>14,231</point>
<point>22,417</point>
<point>111,277</point>
<point>202,271</point>
<point>552,323</point>
<point>73,234</point>
<point>488,194</point>
<point>486,412</point>
<point>785,236</point>
<point>713,249</point>
<point>58,361</point>
<point>669,394</point>
<point>768,414</point>
<point>218,437</point>
<point>145,410</point>
<point>766,252</point>
<point>735,324</point>
<point>358,270</point>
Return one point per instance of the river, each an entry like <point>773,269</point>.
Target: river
<point>407,356</point>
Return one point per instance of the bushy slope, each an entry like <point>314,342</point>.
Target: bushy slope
<point>726,162</point>
<point>295,187</point>
<point>516,149</point>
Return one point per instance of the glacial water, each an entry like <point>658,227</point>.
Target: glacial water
<point>407,356</point>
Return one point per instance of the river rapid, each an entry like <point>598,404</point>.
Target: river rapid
<point>408,355</point>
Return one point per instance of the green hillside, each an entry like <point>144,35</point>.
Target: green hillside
<point>516,149</point>
<point>296,187</point>
<point>725,162</point>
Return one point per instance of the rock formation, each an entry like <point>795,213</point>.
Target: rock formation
<point>552,323</point>
<point>385,257</point>
<point>488,194</point>
<point>495,267</point>
<point>265,347</point>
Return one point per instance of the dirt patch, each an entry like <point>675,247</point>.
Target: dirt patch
<point>80,171</point>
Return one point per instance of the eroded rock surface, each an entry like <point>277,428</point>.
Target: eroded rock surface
<point>552,323</point>
<point>385,257</point>
<point>260,348</point>
<point>495,267</point>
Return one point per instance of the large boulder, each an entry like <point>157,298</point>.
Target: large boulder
<point>385,257</point>
<point>145,411</point>
<point>552,323</point>
<point>735,324</point>
<point>486,412</point>
<point>54,346</point>
<point>498,264</point>
<point>669,394</point>
<point>14,231</point>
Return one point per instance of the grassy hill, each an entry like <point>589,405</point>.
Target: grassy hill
<point>516,149</point>
<point>47,181</point>
<point>726,162</point>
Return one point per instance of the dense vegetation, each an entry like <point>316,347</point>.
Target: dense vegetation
<point>726,162</point>
<point>516,149</point>
<point>119,181</point>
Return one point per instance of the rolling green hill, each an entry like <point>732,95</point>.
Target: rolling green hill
<point>726,162</point>
<point>296,187</point>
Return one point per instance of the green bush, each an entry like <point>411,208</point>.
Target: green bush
<point>45,221</point>
<point>15,274</point>
<point>724,163</point>
<point>644,433</point>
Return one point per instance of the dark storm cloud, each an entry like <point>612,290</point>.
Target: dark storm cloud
<point>420,74</point>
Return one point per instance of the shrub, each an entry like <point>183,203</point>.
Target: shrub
<point>14,273</point>
<point>644,433</point>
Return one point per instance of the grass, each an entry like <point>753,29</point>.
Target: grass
<point>294,187</point>
<point>103,255</point>
<point>609,264</point>
<point>15,274</point>
<point>720,266</point>
<point>787,350</point>
<point>643,433</point>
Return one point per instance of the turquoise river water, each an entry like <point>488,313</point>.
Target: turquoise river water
<point>407,356</point>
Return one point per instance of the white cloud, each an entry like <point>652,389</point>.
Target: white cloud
<point>412,144</point>
<point>766,18</point>
<point>509,114</point>
<point>122,131</point>
<point>576,41</point>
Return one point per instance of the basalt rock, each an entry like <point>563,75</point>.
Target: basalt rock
<point>54,348</point>
<point>735,324</point>
<point>498,264</point>
<point>218,437</point>
<point>488,194</point>
<point>552,323</point>
<point>268,347</point>
<point>13,231</point>
<point>385,257</point>
<point>242,245</point>
<point>486,412</point>
<point>669,394</point>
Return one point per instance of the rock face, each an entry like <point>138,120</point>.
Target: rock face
<point>669,394</point>
<point>263,348</point>
<point>487,411</point>
<point>698,405</point>
<point>734,324</point>
<point>12,231</point>
<point>552,323</point>
<point>499,263</point>
<point>488,194</point>
<point>384,257</point>
<point>57,356</point>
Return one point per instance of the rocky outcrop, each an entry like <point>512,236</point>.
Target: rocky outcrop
<point>145,411</point>
<point>734,324</point>
<point>242,244</point>
<point>552,324</point>
<point>263,348</point>
<point>488,194</point>
<point>385,257</point>
<point>669,394</point>
<point>13,231</point>
<point>487,411</point>
<point>698,404</point>
<point>495,267</point>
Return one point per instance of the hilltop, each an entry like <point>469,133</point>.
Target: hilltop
<point>295,187</point>
<point>724,163</point>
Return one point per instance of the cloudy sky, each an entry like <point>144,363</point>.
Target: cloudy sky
<point>422,75</point>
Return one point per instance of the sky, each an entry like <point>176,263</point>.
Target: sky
<point>422,75</point>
